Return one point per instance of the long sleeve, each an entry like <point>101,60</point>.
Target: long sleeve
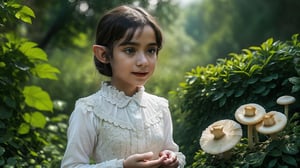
<point>108,127</point>
<point>82,137</point>
<point>169,143</point>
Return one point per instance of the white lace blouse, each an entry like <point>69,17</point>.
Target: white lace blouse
<point>109,126</point>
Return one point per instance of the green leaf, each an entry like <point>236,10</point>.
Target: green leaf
<point>272,163</point>
<point>291,148</point>
<point>27,117</point>
<point>269,78</point>
<point>255,48</point>
<point>229,93</point>
<point>2,125</point>
<point>35,119</point>
<point>218,96</point>
<point>33,53</point>
<point>252,80</point>
<point>2,161</point>
<point>266,79</point>
<point>254,68</point>
<point>45,71</point>
<point>282,166</point>
<point>289,160</point>
<point>275,153</point>
<point>2,150</point>
<point>273,145</point>
<point>38,120</point>
<point>239,93</point>
<point>259,89</point>
<point>295,80</point>
<point>12,160</point>
<point>5,113</point>
<point>33,153</point>
<point>255,159</point>
<point>295,88</point>
<point>2,64</point>
<point>37,98</point>
<point>25,14</point>
<point>222,102</point>
<point>24,128</point>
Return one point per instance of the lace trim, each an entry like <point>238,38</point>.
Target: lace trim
<point>119,98</point>
<point>158,106</point>
<point>113,110</point>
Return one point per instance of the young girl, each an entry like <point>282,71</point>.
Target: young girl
<point>121,125</point>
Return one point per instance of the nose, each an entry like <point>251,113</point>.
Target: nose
<point>141,59</point>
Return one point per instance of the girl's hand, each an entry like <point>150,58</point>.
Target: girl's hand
<point>143,160</point>
<point>170,160</point>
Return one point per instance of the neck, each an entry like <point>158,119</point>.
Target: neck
<point>128,90</point>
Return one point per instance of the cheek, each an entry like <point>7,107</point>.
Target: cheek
<point>120,64</point>
<point>152,62</point>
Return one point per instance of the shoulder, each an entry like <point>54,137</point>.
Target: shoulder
<point>156,98</point>
<point>156,101</point>
<point>88,100</point>
<point>86,104</point>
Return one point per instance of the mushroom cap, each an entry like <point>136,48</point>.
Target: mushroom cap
<point>250,120</point>
<point>232,135</point>
<point>280,122</point>
<point>285,100</point>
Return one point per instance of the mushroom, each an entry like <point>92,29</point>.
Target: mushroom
<point>250,114</point>
<point>220,137</point>
<point>272,123</point>
<point>286,100</point>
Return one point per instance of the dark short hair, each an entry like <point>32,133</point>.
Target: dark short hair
<point>118,22</point>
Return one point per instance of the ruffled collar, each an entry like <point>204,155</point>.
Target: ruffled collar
<point>118,98</point>
<point>103,104</point>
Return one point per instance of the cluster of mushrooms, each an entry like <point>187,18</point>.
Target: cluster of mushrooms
<point>221,136</point>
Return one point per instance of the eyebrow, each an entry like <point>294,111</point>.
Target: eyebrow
<point>135,44</point>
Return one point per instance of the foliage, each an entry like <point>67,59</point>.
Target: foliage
<point>23,105</point>
<point>222,26</point>
<point>296,79</point>
<point>260,74</point>
<point>67,22</point>
<point>281,152</point>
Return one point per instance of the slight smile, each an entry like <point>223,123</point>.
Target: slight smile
<point>140,74</point>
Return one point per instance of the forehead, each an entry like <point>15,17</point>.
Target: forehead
<point>145,33</point>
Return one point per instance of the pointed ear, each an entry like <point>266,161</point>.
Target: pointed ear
<point>100,53</point>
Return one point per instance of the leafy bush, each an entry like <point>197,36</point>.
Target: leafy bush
<point>23,106</point>
<point>260,74</point>
<point>281,152</point>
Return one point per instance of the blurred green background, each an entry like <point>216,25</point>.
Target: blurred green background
<point>197,33</point>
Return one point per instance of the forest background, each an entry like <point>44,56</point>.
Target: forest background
<point>196,34</point>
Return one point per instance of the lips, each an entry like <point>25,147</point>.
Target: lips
<point>140,74</point>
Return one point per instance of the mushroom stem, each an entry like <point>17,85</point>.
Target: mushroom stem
<point>273,136</point>
<point>286,110</point>
<point>256,138</point>
<point>250,136</point>
<point>225,155</point>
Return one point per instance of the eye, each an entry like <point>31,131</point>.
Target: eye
<point>129,50</point>
<point>152,51</point>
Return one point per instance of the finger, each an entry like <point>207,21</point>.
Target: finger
<point>171,160</point>
<point>164,153</point>
<point>174,164</point>
<point>173,156</point>
<point>144,156</point>
<point>156,162</point>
